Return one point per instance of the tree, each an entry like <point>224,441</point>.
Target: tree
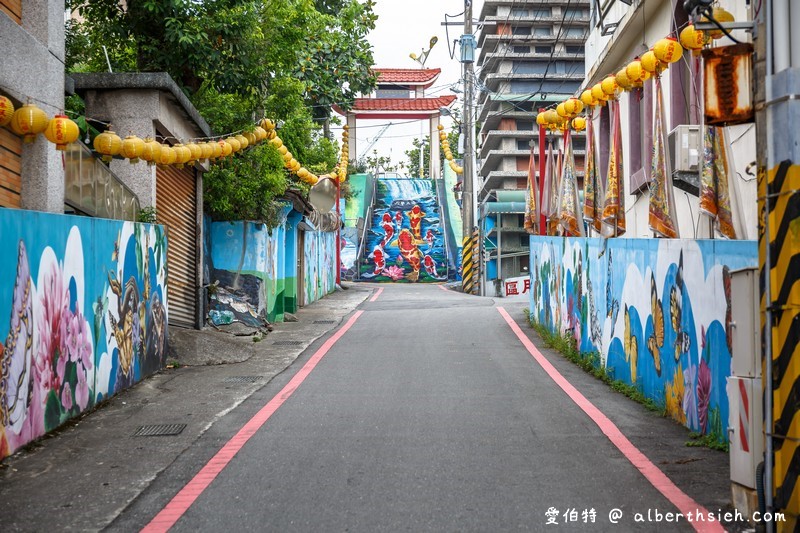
<point>413,157</point>
<point>239,60</point>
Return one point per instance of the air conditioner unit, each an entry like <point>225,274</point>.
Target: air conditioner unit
<point>685,154</point>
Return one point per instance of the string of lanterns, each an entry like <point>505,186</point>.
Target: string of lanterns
<point>448,154</point>
<point>665,52</point>
<point>29,121</point>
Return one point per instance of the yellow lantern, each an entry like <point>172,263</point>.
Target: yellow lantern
<point>182,155</point>
<point>166,156</point>
<point>721,16</point>
<point>609,85</point>
<point>561,109</point>
<point>62,131</point>
<point>668,50</point>
<point>251,138</point>
<point>195,150</point>
<point>271,134</point>
<point>692,39</point>
<point>244,142</point>
<point>29,121</point>
<point>235,144</point>
<point>206,150</point>
<point>302,173</point>
<point>599,94</point>
<point>650,62</point>
<point>440,127</point>
<point>260,133</point>
<point>579,123</point>
<point>345,127</point>
<point>151,151</point>
<point>6,110</point>
<point>636,74</point>
<point>622,79</point>
<point>574,106</point>
<point>283,150</point>
<point>108,144</point>
<point>276,142</point>
<point>540,119</point>
<point>587,98</point>
<point>267,124</point>
<point>132,148</point>
<point>227,148</point>
<point>217,149</point>
<point>551,116</point>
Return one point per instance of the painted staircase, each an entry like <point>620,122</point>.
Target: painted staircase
<point>405,241</point>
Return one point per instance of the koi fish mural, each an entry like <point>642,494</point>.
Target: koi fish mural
<point>406,217</point>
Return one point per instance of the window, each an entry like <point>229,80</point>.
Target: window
<point>540,12</point>
<point>543,31</point>
<point>579,143</point>
<point>522,144</point>
<point>574,33</point>
<point>574,49</point>
<point>521,49</point>
<point>520,31</point>
<point>525,125</point>
<point>568,67</point>
<point>543,49</point>
<point>575,12</point>
<point>529,67</point>
<point>519,12</point>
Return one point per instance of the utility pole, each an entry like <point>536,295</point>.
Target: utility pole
<point>469,198</point>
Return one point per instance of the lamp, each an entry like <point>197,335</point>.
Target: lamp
<point>423,56</point>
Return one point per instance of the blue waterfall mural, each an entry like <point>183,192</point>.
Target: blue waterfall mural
<point>405,242</point>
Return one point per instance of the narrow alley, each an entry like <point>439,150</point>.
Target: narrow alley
<point>385,423</point>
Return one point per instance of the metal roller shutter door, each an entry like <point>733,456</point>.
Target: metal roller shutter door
<point>176,206</point>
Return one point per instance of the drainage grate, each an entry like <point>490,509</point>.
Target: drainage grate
<point>242,379</point>
<point>159,430</point>
<point>287,343</point>
<point>324,322</point>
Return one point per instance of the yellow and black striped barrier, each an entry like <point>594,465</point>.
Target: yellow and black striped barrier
<point>467,265</point>
<point>782,188</point>
<point>470,266</point>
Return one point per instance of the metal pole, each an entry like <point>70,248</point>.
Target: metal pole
<point>769,459</point>
<point>467,53</point>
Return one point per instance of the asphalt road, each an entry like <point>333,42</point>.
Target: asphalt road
<point>428,414</point>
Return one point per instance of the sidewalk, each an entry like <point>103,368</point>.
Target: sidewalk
<point>81,477</point>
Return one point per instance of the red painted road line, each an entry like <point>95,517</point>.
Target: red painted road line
<point>178,506</point>
<point>375,296</point>
<point>656,477</point>
<point>443,288</point>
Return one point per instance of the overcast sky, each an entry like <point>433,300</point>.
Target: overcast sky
<point>403,27</point>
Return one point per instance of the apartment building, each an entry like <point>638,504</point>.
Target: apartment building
<point>531,56</point>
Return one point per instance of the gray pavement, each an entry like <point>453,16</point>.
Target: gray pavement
<point>426,416</point>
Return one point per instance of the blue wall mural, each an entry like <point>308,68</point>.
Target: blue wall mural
<point>83,315</point>
<point>405,241</point>
<point>319,264</point>
<point>658,312</point>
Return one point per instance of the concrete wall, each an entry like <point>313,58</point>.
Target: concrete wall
<point>656,310</point>
<point>83,312</point>
<point>319,249</point>
<point>32,67</point>
<point>264,260</point>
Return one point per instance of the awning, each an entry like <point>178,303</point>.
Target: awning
<point>504,207</point>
